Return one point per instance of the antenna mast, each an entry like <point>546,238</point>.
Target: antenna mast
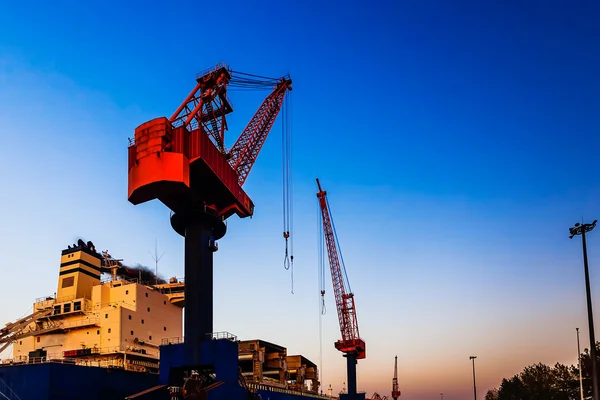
<point>156,259</point>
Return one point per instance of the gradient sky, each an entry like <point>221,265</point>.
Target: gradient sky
<point>456,140</point>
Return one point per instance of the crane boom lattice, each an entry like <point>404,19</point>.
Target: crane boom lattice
<point>344,299</point>
<point>245,150</point>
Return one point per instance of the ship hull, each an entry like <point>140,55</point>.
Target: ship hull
<point>54,381</point>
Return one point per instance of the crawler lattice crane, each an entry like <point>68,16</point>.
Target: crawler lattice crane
<point>183,162</point>
<point>353,347</point>
<point>395,388</point>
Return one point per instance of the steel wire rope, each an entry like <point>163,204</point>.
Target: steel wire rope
<point>321,272</point>
<point>288,262</point>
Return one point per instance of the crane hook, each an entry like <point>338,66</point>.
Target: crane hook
<point>288,260</point>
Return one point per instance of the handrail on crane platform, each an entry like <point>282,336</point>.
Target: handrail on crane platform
<point>207,71</point>
<point>224,335</point>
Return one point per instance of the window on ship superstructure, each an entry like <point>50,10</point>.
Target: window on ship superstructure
<point>77,306</point>
<point>67,307</point>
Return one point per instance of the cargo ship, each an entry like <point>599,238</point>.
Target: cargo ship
<point>113,332</point>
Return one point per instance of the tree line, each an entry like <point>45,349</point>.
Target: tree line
<point>542,382</point>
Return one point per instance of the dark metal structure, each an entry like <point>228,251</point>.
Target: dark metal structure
<point>395,388</point>
<point>472,358</point>
<point>183,162</point>
<point>582,229</point>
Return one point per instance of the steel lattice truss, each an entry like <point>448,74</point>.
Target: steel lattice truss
<point>246,148</point>
<point>206,106</point>
<point>344,300</point>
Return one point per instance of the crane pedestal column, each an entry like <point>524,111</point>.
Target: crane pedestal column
<point>351,379</point>
<point>351,362</point>
<point>201,230</point>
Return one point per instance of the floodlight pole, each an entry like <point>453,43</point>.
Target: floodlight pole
<point>582,229</point>
<point>474,386</point>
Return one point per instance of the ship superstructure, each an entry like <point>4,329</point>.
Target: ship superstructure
<point>102,315</point>
<point>117,323</point>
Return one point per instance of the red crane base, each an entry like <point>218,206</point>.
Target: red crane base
<point>184,170</point>
<point>356,346</point>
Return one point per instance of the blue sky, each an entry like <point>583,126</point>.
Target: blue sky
<point>456,141</point>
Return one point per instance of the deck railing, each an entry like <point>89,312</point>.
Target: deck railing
<point>209,336</point>
<point>80,323</point>
<point>268,388</point>
<point>83,360</point>
<point>221,335</point>
<point>86,362</point>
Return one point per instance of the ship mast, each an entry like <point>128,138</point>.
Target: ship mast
<point>111,264</point>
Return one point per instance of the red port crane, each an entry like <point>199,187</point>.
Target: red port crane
<point>183,162</point>
<point>353,347</point>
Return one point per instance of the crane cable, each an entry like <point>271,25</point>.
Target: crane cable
<point>321,272</point>
<point>242,81</point>
<point>321,261</point>
<point>286,161</point>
